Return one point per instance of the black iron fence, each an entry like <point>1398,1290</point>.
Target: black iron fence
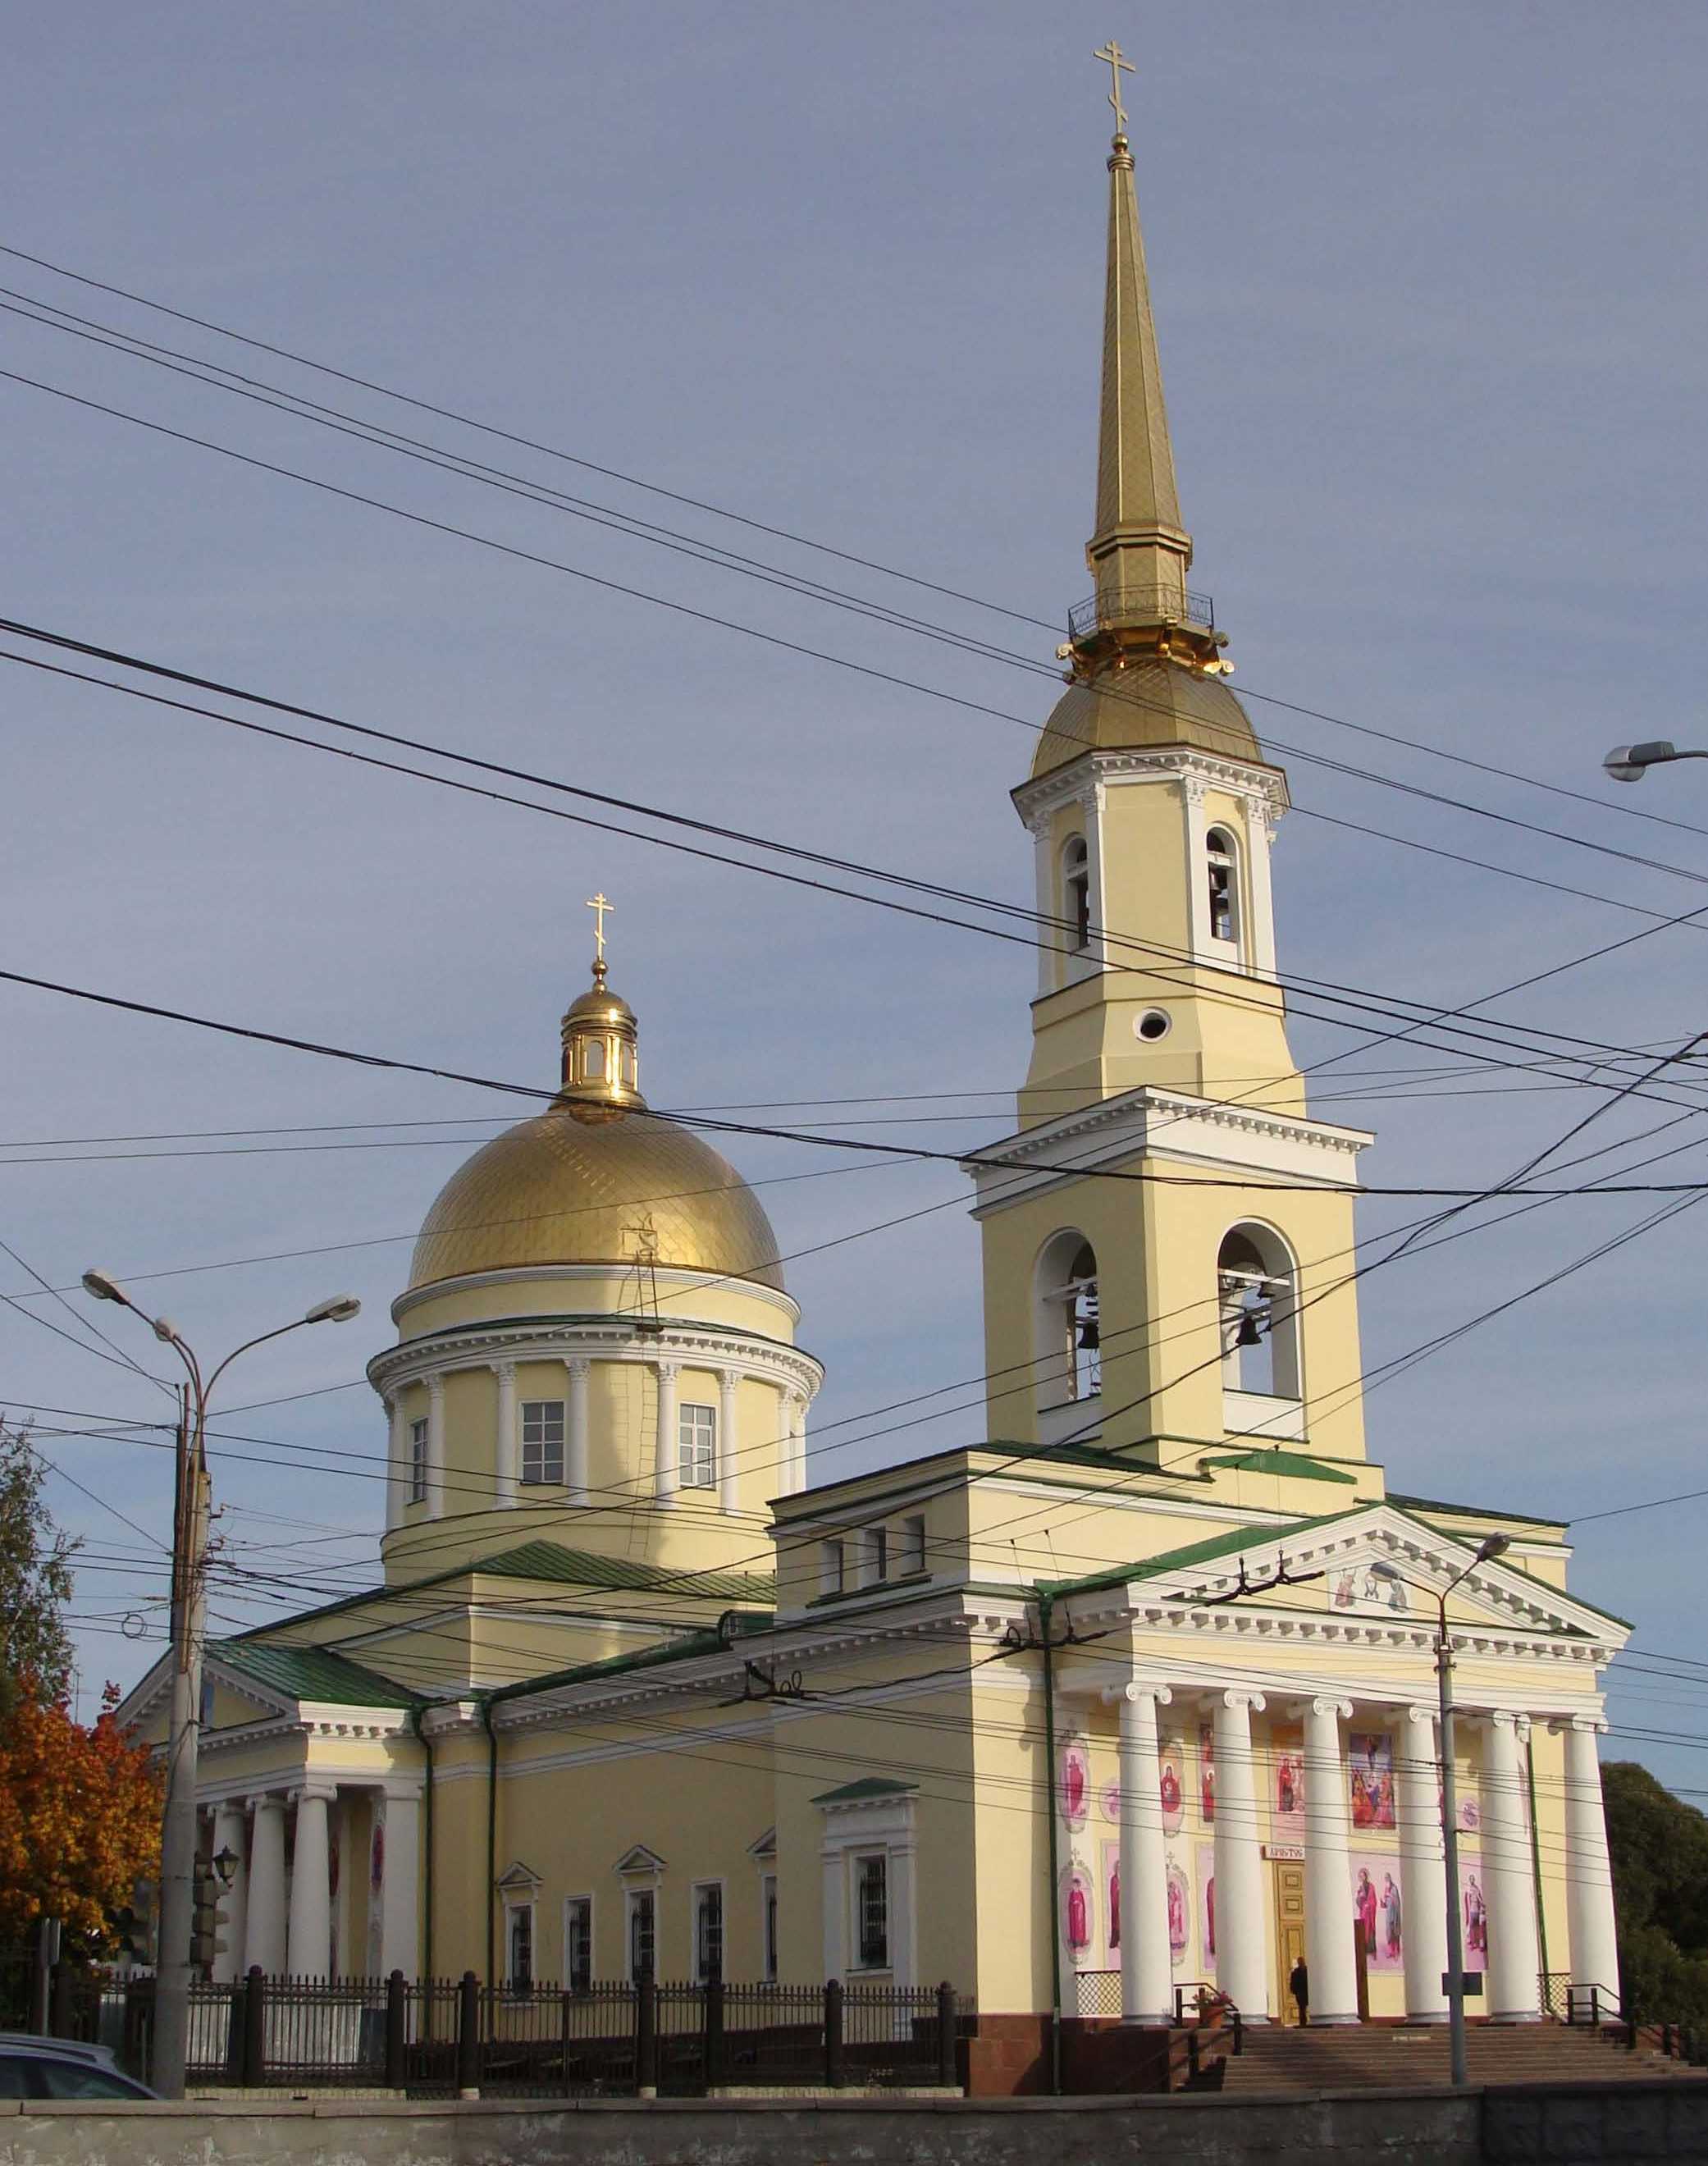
<point>443,2038</point>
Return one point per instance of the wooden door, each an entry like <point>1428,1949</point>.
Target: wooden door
<point>1290,1934</point>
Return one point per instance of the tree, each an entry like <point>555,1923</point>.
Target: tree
<point>1659,1848</point>
<point>35,1577</point>
<point>79,1818</point>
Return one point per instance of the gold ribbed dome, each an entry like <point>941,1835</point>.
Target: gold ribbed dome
<point>1147,703</point>
<point>559,1190</point>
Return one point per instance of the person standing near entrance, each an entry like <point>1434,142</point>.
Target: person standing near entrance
<point>1299,1986</point>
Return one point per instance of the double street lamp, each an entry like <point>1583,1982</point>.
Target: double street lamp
<point>177,1874</point>
<point>1630,762</point>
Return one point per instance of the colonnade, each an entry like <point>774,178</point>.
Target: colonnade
<point>281,1919</point>
<point>1243,1927</point>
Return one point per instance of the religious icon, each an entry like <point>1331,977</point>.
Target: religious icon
<point>1370,1754</point>
<point>1077,1900</point>
<point>1109,1800</point>
<point>1111,1881</point>
<point>1206,1882</point>
<point>1288,1746</point>
<point>1476,1909</point>
<point>1171,1785</point>
<point>1179,1902</point>
<point>1076,1781</point>
<point>1206,1772</point>
<point>1376,1905</point>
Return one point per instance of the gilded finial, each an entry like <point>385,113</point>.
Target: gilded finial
<point>599,904</point>
<point>1119,65</point>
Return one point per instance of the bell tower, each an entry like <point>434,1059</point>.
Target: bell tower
<point>1167,1237</point>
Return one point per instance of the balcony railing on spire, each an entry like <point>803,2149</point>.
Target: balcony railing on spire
<point>1155,604</point>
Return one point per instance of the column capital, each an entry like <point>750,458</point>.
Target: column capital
<point>730,1379</point>
<point>1322,1703</point>
<point>257,1800</point>
<point>435,1389</point>
<point>1562,1726</point>
<point>312,1792</point>
<point>505,1371</point>
<point>1235,1697</point>
<point>1138,1689</point>
<point>1094,795</point>
<point>1512,1719</point>
<point>667,1371</point>
<point>578,1365</point>
<point>1417,1712</point>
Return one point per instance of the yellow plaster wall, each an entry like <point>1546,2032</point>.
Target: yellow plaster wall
<point>681,1298</point>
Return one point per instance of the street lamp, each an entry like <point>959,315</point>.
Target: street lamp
<point>177,1875</point>
<point>1630,762</point>
<point>1491,1545</point>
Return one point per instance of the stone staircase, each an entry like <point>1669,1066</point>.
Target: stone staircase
<point>1383,2056</point>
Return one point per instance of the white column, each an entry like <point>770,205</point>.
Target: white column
<point>1260,936</point>
<point>667,1458</point>
<point>835,1913</point>
<point>1049,906</point>
<point>400,1878</point>
<point>1147,1971</point>
<point>435,1446</point>
<point>797,1441</point>
<point>1241,1925</point>
<point>787,1404</point>
<point>264,1929</point>
<point>397,1459</point>
<point>507,1454</point>
<point>1514,1995</point>
<point>904,1928</point>
<point>309,1954</point>
<point>1092,804</point>
<point>231,1833</point>
<point>728,1440</point>
<point>1196,877</point>
<point>1328,1891</point>
<point>1589,1877</point>
<point>575,1443</point>
<point>1423,1869</point>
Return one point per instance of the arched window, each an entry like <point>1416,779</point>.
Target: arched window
<point>1069,1356</point>
<point>1076,892</point>
<point>1222,869</point>
<point>1258,1289</point>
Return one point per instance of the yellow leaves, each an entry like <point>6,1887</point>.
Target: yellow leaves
<point>79,1817</point>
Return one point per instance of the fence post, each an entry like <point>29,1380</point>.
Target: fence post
<point>234,2029</point>
<point>468,2038</point>
<point>836,2072</point>
<point>713,2007</point>
<point>396,2033</point>
<point>945,2033</point>
<point>646,2036</point>
<point>255,2028</point>
<point>59,2022</point>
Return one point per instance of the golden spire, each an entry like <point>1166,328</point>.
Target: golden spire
<point>601,1042</point>
<point>1140,551</point>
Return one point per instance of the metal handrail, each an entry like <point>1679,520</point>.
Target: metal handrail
<point>1165,604</point>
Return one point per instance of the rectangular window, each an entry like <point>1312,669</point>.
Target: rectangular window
<point>418,1462</point>
<point>872,1905</point>
<point>830,1567</point>
<point>912,1543</point>
<point>643,1946</point>
<point>767,1922</point>
<point>519,1946</point>
<point>542,1440</point>
<point>874,1555</point>
<point>697,1444</point>
<point>708,1930</point>
<point>578,1943</point>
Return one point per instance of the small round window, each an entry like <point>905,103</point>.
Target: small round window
<point>1153,1024</point>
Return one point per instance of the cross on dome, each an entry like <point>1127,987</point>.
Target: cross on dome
<point>1119,65</point>
<point>599,904</point>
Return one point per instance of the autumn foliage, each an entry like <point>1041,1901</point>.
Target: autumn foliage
<point>79,1817</point>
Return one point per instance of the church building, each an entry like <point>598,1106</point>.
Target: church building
<point>1136,1692</point>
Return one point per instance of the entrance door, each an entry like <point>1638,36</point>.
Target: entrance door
<point>1290,1934</point>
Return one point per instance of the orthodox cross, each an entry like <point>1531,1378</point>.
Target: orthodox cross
<point>598,906</point>
<point>1117,66</point>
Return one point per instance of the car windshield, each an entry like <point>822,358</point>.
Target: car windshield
<point>81,2079</point>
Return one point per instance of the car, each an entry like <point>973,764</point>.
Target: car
<point>32,2067</point>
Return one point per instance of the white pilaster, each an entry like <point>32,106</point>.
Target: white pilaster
<point>1241,1921</point>
<point>309,1953</point>
<point>1328,1901</point>
<point>435,1446</point>
<point>1049,906</point>
<point>1423,1869</point>
<point>1197,827</point>
<point>264,1929</point>
<point>728,1440</point>
<point>904,1923</point>
<point>1147,1971</point>
<point>507,1445</point>
<point>399,1892</point>
<point>1260,938</point>
<point>397,1459</point>
<point>576,1434</point>
<point>836,1900</point>
<point>797,1428</point>
<point>667,1453</point>
<point>230,1832</point>
<point>1514,1995</point>
<point>1092,804</point>
<point>1589,1877</point>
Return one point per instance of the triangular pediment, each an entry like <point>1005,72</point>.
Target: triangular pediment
<point>766,1846</point>
<point>1368,1570</point>
<point>639,1861</point>
<point>150,1695</point>
<point>518,1879</point>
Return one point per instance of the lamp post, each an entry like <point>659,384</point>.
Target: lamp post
<point>177,1874</point>
<point>1492,1545</point>
<point>1630,762</point>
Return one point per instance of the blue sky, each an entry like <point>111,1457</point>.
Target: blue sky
<point>1431,287</point>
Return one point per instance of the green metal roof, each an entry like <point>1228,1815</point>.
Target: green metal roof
<point>740,1624</point>
<point>1262,1459</point>
<point>311,1673</point>
<point>868,1786</point>
<point>1205,1552</point>
<point>1473,1511</point>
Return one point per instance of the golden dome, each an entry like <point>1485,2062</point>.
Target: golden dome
<point>1148,703</point>
<point>558,1190</point>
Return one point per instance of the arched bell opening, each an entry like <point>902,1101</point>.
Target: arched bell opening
<point>1067,1331</point>
<point>1256,1289</point>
